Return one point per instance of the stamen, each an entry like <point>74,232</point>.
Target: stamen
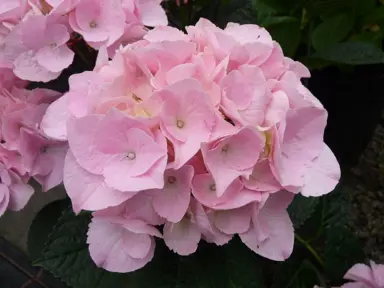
<point>180,124</point>
<point>131,155</point>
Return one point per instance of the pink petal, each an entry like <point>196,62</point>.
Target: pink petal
<point>232,157</point>
<point>301,143</point>
<point>233,221</point>
<point>88,191</point>
<point>55,177</point>
<point>55,59</point>
<point>140,207</point>
<point>234,197</point>
<point>271,234</point>
<point>361,273</point>
<point>205,223</point>
<point>165,33</point>
<point>152,14</point>
<point>182,237</point>
<point>262,179</point>
<point>116,249</point>
<point>19,195</point>
<point>140,227</point>
<point>323,174</point>
<point>81,139</point>
<point>54,123</point>
<point>4,198</point>
<point>277,108</point>
<point>172,201</point>
<point>27,67</point>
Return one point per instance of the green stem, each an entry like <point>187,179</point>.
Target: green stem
<point>81,55</point>
<point>310,249</point>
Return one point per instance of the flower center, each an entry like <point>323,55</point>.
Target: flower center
<point>44,149</point>
<point>212,187</point>
<point>92,24</point>
<point>131,156</point>
<point>268,144</point>
<point>225,148</point>
<point>171,179</point>
<point>136,98</point>
<point>180,124</point>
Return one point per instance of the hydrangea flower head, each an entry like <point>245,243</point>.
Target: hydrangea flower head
<point>209,133</point>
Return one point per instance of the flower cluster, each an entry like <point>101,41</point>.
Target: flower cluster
<point>34,34</point>
<point>207,134</point>
<point>365,276</point>
<point>24,150</point>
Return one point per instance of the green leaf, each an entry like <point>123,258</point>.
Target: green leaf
<point>375,17</point>
<point>365,6</point>
<point>302,209</point>
<point>369,36</point>
<point>276,5</point>
<point>329,8</point>
<point>352,53</point>
<point>231,266</point>
<point>342,250</point>
<point>43,225</point>
<point>296,272</point>
<point>331,31</point>
<point>286,31</point>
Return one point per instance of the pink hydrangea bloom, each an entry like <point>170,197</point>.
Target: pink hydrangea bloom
<point>25,151</point>
<point>34,34</point>
<point>36,48</point>
<point>211,130</point>
<point>371,276</point>
<point>130,231</point>
<point>364,276</point>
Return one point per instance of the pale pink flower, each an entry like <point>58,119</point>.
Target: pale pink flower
<point>371,276</point>
<point>271,232</point>
<point>100,22</point>
<point>243,44</point>
<point>172,201</point>
<point>36,49</point>
<point>183,237</point>
<point>232,157</point>
<point>14,191</point>
<point>44,158</point>
<point>9,80</point>
<point>299,152</point>
<point>210,133</point>
<point>24,151</point>
<point>364,276</point>
<point>235,196</point>
<point>121,239</point>
<point>187,119</point>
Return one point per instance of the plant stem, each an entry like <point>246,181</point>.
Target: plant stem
<point>310,249</point>
<point>82,56</point>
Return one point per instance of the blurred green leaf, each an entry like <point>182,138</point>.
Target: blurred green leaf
<point>352,53</point>
<point>331,31</point>
<point>329,8</point>
<point>296,272</point>
<point>42,225</point>
<point>375,17</point>
<point>302,209</point>
<point>273,5</point>
<point>364,6</point>
<point>368,36</point>
<point>342,251</point>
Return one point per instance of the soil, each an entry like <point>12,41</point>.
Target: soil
<point>367,186</point>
